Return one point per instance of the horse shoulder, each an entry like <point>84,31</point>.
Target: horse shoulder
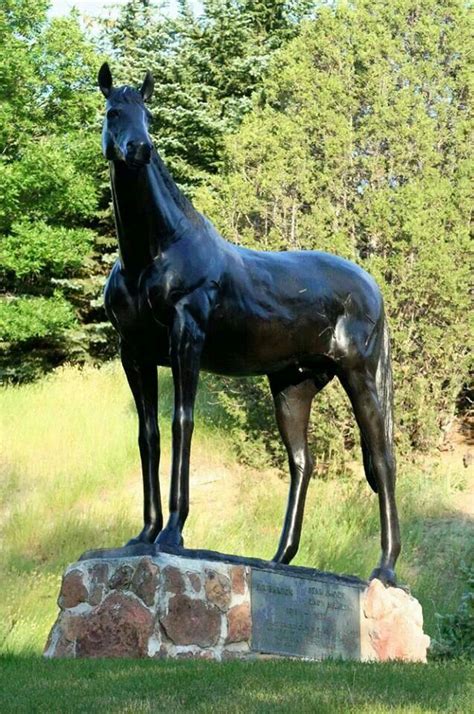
<point>175,281</point>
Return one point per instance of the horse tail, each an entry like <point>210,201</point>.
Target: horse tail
<point>384,387</point>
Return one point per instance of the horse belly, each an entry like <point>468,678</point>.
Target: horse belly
<point>300,332</point>
<point>251,345</point>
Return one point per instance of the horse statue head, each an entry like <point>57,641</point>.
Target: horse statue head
<point>125,134</point>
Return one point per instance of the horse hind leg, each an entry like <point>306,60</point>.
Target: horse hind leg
<point>293,394</point>
<point>379,465</point>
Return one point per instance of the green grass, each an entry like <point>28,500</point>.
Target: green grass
<point>70,481</point>
<point>33,685</point>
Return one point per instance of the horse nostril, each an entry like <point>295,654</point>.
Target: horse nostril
<point>138,146</point>
<point>138,151</point>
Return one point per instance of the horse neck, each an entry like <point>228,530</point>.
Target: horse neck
<point>150,212</point>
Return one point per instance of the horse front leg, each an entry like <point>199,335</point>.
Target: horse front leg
<point>143,380</point>
<point>186,340</point>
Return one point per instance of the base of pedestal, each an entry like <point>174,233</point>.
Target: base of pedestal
<point>191,606</point>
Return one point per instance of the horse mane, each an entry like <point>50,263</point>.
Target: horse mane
<point>178,196</point>
<point>129,95</point>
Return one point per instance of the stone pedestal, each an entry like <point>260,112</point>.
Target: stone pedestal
<point>203,605</point>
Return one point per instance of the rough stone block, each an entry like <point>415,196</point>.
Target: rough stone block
<point>121,578</point>
<point>239,623</point>
<point>218,590</point>
<point>195,581</point>
<point>237,576</point>
<point>145,581</point>
<point>120,627</point>
<point>191,622</point>
<point>392,626</point>
<point>73,591</point>
<point>173,580</point>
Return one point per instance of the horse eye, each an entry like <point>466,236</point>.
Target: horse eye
<point>112,113</point>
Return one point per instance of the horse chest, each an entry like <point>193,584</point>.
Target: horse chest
<point>127,307</point>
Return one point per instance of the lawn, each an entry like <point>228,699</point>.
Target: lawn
<point>34,685</point>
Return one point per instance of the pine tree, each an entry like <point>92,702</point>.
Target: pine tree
<point>206,69</point>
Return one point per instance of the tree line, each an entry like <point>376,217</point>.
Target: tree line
<point>339,126</point>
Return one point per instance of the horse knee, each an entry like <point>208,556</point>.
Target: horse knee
<point>183,421</point>
<point>148,435</point>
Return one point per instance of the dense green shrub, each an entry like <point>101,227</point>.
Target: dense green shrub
<point>456,631</point>
<point>28,318</point>
<point>36,250</point>
<point>52,187</point>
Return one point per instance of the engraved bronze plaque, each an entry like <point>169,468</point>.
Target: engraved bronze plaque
<point>304,617</point>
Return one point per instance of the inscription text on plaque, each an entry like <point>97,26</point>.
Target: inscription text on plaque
<point>304,617</point>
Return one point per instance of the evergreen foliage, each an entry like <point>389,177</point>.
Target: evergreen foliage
<point>206,69</point>
<point>362,149</point>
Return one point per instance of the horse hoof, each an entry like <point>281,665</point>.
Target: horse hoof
<point>169,537</point>
<point>285,555</point>
<point>147,535</point>
<point>385,575</point>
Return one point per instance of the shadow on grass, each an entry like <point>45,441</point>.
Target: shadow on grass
<point>33,684</point>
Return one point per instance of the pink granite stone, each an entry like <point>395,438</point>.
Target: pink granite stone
<point>73,591</point>
<point>191,622</point>
<point>394,624</point>
<point>239,623</point>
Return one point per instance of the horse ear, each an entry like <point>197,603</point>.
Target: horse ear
<point>105,79</point>
<point>147,87</point>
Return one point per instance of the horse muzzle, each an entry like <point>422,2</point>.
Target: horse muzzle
<point>137,154</point>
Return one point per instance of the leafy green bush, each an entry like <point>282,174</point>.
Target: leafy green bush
<point>456,638</point>
<point>35,249</point>
<point>28,318</point>
<point>51,187</point>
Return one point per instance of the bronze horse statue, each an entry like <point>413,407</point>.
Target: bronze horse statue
<point>183,297</point>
